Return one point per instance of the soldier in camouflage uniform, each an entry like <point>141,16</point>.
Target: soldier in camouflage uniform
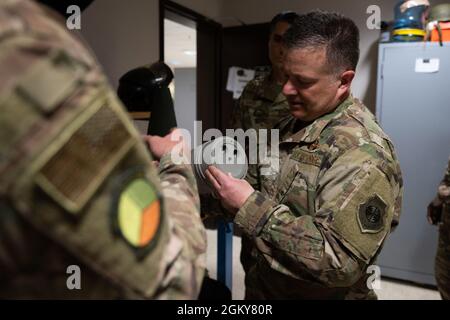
<point>78,186</point>
<point>262,104</point>
<point>313,228</point>
<point>439,213</point>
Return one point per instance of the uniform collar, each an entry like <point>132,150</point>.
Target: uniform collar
<point>311,133</point>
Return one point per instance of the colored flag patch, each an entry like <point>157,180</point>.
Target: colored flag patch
<point>139,213</point>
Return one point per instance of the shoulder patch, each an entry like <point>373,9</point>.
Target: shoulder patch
<point>363,220</point>
<point>78,162</point>
<point>372,214</point>
<point>137,213</point>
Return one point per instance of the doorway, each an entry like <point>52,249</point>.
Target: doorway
<point>180,54</point>
<point>191,44</point>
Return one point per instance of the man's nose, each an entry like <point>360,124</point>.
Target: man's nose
<point>289,89</point>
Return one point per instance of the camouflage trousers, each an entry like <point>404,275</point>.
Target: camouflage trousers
<point>442,263</point>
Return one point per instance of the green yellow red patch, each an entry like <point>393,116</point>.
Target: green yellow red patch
<point>138,213</point>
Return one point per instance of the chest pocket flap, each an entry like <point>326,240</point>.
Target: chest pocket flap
<point>297,181</point>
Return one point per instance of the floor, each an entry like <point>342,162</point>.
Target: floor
<point>389,289</point>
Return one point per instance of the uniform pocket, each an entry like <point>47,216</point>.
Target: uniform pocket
<point>298,180</point>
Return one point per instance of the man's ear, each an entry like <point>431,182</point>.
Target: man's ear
<point>346,79</point>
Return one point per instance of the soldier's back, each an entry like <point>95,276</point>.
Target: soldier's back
<point>83,213</point>
<point>442,263</point>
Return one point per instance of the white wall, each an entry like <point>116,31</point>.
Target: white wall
<point>123,34</point>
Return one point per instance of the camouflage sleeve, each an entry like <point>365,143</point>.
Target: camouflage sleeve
<point>241,120</point>
<point>236,116</point>
<point>211,208</point>
<point>444,187</point>
<point>253,176</point>
<point>84,182</point>
<point>184,260</point>
<point>354,207</point>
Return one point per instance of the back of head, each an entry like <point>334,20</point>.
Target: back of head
<point>338,34</point>
<point>285,16</point>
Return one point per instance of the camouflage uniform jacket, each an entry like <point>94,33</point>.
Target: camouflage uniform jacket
<point>77,186</point>
<point>444,196</point>
<point>261,106</point>
<point>318,223</point>
<point>442,263</point>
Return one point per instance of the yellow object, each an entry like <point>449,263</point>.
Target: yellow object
<point>409,32</point>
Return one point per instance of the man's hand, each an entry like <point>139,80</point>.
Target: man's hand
<point>232,192</point>
<point>173,143</point>
<point>434,211</point>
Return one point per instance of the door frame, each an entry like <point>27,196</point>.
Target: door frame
<point>188,17</point>
<point>178,13</point>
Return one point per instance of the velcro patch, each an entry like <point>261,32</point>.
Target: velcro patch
<point>77,169</point>
<point>363,221</point>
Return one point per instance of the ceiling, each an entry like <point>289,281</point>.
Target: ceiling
<point>180,45</point>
